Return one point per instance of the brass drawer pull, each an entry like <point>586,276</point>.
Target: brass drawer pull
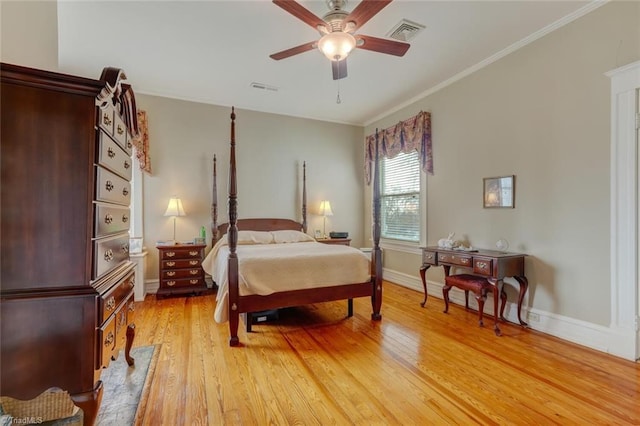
<point>193,253</point>
<point>108,185</point>
<point>171,273</point>
<point>171,253</point>
<point>482,265</point>
<point>125,248</point>
<point>120,130</point>
<point>171,283</point>
<point>109,340</point>
<point>193,262</point>
<point>193,281</point>
<point>464,260</point>
<point>108,255</point>
<point>125,191</point>
<point>108,218</point>
<point>111,303</point>
<point>129,145</point>
<point>126,164</point>
<point>429,256</point>
<point>106,120</point>
<point>132,307</point>
<point>171,264</point>
<point>111,153</point>
<point>194,272</point>
<point>125,218</point>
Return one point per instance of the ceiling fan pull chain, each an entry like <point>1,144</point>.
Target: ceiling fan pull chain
<point>338,100</point>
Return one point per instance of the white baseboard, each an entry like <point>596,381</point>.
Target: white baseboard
<point>594,336</point>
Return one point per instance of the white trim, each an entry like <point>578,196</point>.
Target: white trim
<point>137,184</point>
<point>493,58</point>
<point>139,287</point>
<point>625,82</point>
<point>412,247</point>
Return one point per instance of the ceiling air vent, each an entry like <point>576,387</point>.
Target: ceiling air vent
<point>263,86</point>
<point>405,30</point>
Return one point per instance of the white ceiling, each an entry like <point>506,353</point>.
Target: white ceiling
<point>211,51</point>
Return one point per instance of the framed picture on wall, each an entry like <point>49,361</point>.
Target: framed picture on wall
<point>499,192</point>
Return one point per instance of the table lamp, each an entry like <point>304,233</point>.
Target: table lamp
<point>325,210</point>
<point>174,209</point>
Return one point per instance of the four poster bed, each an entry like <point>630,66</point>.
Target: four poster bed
<point>264,264</point>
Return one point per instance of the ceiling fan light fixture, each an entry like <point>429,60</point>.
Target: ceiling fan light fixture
<point>337,45</point>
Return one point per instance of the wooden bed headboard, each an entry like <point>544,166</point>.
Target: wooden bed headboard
<point>256,224</point>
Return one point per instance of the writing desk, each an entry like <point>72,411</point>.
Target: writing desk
<point>493,264</point>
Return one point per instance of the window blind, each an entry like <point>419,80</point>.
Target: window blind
<point>400,197</point>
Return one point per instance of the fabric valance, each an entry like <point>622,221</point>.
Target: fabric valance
<point>407,135</point>
<point>141,142</point>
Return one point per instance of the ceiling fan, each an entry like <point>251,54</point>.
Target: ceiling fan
<point>337,28</point>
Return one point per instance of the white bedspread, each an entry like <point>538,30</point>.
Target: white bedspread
<point>269,268</point>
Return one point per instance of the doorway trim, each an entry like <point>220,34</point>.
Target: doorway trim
<point>625,299</point>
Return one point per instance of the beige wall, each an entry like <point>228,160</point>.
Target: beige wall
<point>29,33</point>
<point>541,113</point>
<point>270,151</point>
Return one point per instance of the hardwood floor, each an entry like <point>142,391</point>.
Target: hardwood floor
<point>417,366</point>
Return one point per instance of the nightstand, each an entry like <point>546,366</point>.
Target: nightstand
<point>180,269</point>
<point>339,241</point>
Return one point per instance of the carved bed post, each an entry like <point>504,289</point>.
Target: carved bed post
<point>232,235</point>
<point>304,197</point>
<point>376,254</point>
<point>214,205</point>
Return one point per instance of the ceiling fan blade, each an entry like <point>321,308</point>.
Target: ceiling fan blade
<point>339,69</point>
<point>375,44</point>
<point>294,51</point>
<point>364,11</point>
<point>301,13</point>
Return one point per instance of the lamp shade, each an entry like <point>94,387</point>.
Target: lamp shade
<point>325,208</point>
<point>175,207</point>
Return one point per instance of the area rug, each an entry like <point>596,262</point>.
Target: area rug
<point>126,388</point>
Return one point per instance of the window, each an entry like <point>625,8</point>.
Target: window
<point>400,197</point>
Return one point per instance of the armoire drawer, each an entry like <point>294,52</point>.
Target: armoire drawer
<point>110,219</point>
<point>121,134</point>
<point>113,157</point>
<point>112,188</point>
<point>109,252</point>
<point>110,300</point>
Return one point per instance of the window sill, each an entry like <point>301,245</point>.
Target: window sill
<point>401,246</point>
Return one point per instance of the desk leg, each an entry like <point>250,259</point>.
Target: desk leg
<point>524,285</point>
<point>496,284</point>
<point>423,270</point>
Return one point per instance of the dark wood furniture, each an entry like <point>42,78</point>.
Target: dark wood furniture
<point>180,269</point>
<point>66,302</point>
<point>479,286</point>
<point>255,303</point>
<point>338,241</point>
<point>492,264</point>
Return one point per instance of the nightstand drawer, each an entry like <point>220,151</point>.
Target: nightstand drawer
<point>180,263</point>
<point>183,273</point>
<point>183,282</point>
<point>181,253</point>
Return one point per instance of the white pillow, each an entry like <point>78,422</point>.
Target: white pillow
<point>255,237</point>
<point>289,236</point>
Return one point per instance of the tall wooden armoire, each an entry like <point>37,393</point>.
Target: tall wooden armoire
<point>66,281</point>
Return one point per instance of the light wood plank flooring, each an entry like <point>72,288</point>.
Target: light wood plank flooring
<point>417,366</point>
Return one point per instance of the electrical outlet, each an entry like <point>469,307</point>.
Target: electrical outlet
<point>533,317</point>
